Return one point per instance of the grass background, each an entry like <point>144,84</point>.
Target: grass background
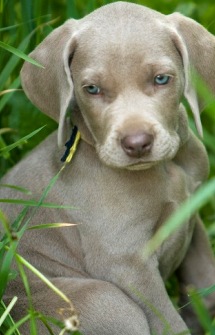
<point>23,24</point>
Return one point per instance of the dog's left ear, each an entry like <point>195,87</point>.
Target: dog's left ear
<point>197,48</point>
<point>51,88</point>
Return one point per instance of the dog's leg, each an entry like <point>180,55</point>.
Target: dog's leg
<point>103,309</point>
<point>144,284</point>
<point>198,270</point>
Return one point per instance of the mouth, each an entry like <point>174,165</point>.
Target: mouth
<point>140,166</point>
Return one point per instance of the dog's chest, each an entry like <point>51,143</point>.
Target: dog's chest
<point>121,210</point>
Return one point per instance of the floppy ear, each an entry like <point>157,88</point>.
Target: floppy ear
<point>51,88</point>
<point>197,47</point>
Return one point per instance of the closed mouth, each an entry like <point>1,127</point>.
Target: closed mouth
<point>141,166</point>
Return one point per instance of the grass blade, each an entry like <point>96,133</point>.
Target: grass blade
<point>201,311</point>
<point>6,130</point>
<point>7,310</point>
<point>12,63</point>
<point>16,325</point>
<point>52,225</point>
<point>34,203</point>
<point>21,141</point>
<point>24,262</point>
<point>20,54</point>
<point>33,327</point>
<point>17,188</point>
<point>8,322</point>
<point>12,88</point>
<point>204,292</point>
<point>188,208</point>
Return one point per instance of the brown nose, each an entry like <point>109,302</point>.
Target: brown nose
<point>137,145</point>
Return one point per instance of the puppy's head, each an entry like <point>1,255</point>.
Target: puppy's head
<point>125,69</point>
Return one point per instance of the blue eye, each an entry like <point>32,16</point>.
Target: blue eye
<point>162,79</point>
<point>93,89</point>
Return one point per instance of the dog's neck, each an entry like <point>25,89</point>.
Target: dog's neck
<point>86,140</point>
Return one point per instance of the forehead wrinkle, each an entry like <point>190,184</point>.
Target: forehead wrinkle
<point>130,51</point>
<point>116,58</point>
<point>163,63</point>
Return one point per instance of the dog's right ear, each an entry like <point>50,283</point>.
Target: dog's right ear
<point>197,48</point>
<point>51,88</point>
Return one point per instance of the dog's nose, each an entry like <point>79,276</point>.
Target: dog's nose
<point>137,145</point>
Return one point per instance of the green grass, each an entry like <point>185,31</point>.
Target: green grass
<point>8,253</point>
<point>23,24</point>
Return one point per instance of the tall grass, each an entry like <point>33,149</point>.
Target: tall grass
<point>23,24</point>
<point>13,232</point>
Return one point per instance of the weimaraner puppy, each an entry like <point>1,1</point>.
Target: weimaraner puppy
<point>119,75</point>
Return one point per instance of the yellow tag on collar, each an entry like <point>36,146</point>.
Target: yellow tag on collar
<point>71,145</point>
<point>72,150</point>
